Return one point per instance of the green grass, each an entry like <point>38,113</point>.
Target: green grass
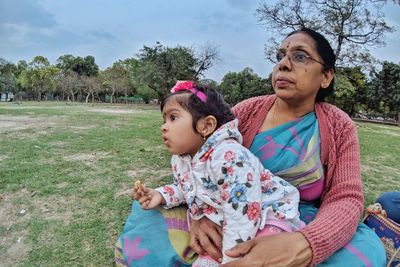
<point>380,157</point>
<point>72,167</point>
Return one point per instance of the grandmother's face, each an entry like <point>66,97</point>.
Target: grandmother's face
<point>299,74</point>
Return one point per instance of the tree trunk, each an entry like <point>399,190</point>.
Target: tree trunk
<point>112,95</point>
<point>87,98</point>
<point>39,95</point>
<point>398,118</point>
<point>73,96</point>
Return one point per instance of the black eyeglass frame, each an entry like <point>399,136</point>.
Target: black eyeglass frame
<point>308,58</point>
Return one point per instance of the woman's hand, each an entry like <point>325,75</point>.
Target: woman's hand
<point>206,238</point>
<point>286,249</point>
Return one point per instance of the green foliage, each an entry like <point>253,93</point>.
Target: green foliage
<point>384,88</point>
<point>21,66</point>
<point>161,67</point>
<point>39,77</point>
<point>237,86</point>
<point>146,93</point>
<point>116,80</point>
<point>344,93</point>
<point>82,66</point>
<point>131,65</point>
<point>358,79</point>
<point>8,81</point>
<point>208,83</point>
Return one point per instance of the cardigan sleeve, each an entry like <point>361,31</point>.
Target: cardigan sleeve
<point>342,202</point>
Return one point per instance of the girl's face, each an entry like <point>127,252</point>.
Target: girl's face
<point>298,81</point>
<point>177,130</point>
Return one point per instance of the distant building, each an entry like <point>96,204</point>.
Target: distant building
<point>7,97</point>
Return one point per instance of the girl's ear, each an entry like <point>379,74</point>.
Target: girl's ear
<point>206,126</point>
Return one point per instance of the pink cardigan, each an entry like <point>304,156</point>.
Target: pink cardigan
<point>342,200</point>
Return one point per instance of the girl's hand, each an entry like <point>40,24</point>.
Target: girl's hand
<point>286,249</point>
<point>147,197</point>
<point>206,238</point>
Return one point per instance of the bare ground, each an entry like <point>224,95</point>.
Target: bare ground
<point>15,213</point>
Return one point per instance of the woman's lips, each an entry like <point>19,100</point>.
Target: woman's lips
<point>282,82</point>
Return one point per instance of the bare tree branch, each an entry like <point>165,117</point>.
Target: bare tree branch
<point>352,23</point>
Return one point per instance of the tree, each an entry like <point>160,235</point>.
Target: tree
<point>237,86</point>
<point>82,66</point>
<point>131,65</point>
<point>206,58</point>
<point>69,85</point>
<point>116,80</point>
<point>8,81</point>
<point>146,93</point>
<point>92,86</point>
<point>349,25</point>
<point>344,94</point>
<point>384,88</point>
<point>160,67</point>
<point>208,83</point>
<point>66,63</point>
<point>350,89</point>
<point>21,66</point>
<point>39,76</point>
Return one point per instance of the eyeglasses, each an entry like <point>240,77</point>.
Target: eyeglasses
<point>296,57</point>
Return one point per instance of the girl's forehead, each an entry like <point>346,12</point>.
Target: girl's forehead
<point>171,103</point>
<point>175,102</point>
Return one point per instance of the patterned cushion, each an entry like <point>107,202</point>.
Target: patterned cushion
<point>387,230</point>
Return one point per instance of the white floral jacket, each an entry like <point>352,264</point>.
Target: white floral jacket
<point>228,184</point>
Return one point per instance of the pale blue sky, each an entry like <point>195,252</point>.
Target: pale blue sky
<point>118,29</point>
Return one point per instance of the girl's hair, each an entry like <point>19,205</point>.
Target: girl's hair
<point>327,55</point>
<point>214,105</point>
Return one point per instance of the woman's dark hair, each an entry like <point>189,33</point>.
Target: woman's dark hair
<point>327,55</point>
<point>215,105</point>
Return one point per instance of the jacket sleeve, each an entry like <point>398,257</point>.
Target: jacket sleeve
<point>342,201</point>
<point>281,203</point>
<point>172,193</point>
<point>239,187</point>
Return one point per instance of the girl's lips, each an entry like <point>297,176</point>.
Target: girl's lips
<point>165,141</point>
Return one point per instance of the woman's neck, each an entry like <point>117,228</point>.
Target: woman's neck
<point>291,110</point>
<point>282,112</point>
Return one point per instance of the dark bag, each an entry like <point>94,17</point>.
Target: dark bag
<point>387,230</point>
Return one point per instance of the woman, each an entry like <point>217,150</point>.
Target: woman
<point>313,145</point>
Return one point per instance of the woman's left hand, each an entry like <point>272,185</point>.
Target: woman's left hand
<point>286,249</point>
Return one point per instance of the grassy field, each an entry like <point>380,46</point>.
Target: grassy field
<point>67,172</point>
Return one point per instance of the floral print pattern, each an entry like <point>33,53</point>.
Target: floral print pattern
<point>225,182</point>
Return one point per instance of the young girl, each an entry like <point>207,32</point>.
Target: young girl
<point>215,175</point>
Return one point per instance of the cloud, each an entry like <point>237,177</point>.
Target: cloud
<point>102,35</point>
<point>245,5</point>
<point>28,29</point>
<point>25,12</point>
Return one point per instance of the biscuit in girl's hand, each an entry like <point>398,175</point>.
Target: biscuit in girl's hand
<point>138,185</point>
